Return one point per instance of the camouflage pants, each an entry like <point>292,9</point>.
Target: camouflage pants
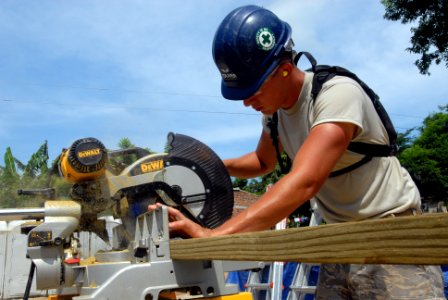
<point>364,282</point>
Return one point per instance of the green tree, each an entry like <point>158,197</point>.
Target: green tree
<point>405,140</point>
<point>9,180</point>
<point>16,175</point>
<point>9,170</point>
<point>427,158</point>
<point>36,174</point>
<point>127,154</point>
<point>239,183</point>
<point>125,143</point>
<point>37,165</point>
<point>430,36</point>
<point>258,185</point>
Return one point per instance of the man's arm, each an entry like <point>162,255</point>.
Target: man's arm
<point>313,163</point>
<point>261,161</point>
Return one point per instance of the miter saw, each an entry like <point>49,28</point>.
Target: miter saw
<point>189,177</point>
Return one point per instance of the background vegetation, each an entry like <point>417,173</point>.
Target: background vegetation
<point>429,29</point>
<point>41,173</point>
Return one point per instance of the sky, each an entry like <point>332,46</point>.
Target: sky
<point>138,69</point>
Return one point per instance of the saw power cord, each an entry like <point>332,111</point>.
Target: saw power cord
<point>30,281</point>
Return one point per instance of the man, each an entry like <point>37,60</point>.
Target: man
<point>252,49</point>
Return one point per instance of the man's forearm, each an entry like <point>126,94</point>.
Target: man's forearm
<point>246,166</point>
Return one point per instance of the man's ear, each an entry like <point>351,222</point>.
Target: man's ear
<point>285,69</point>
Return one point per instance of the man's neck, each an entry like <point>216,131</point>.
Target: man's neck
<point>294,88</point>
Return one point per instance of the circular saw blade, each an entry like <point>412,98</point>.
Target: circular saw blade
<point>189,186</point>
<point>190,153</point>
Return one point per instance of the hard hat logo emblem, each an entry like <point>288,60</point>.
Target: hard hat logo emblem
<point>265,39</point>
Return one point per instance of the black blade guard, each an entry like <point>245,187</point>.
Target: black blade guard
<point>190,153</point>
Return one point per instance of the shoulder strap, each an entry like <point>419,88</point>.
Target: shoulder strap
<point>273,126</point>
<point>308,55</point>
<point>323,73</point>
<point>356,165</point>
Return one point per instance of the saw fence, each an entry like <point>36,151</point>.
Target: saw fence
<point>402,240</point>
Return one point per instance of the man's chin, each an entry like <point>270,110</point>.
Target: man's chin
<point>267,111</point>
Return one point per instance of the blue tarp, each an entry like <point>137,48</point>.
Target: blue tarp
<point>445,277</point>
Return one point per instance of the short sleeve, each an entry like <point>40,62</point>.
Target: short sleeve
<point>340,102</point>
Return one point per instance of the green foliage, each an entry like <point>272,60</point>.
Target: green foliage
<point>37,165</point>
<point>61,187</point>
<point>35,174</point>
<point>125,143</point>
<point>9,178</point>
<point>118,160</point>
<point>427,159</point>
<point>405,140</point>
<point>430,36</point>
<point>17,175</point>
<point>126,160</point>
<point>258,185</point>
<point>10,167</point>
<point>239,183</point>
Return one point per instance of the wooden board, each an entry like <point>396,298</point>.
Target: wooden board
<point>402,240</point>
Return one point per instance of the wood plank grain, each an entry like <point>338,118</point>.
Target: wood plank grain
<point>402,240</point>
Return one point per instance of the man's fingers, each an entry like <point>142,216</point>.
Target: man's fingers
<point>154,206</point>
<point>176,225</point>
<point>180,224</point>
<point>175,214</point>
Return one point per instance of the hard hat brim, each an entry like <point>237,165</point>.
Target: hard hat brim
<point>243,93</point>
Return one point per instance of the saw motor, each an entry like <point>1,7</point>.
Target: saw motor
<point>84,160</point>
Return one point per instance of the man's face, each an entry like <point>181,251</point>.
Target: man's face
<point>266,99</point>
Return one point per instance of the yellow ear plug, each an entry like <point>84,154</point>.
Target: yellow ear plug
<point>285,73</point>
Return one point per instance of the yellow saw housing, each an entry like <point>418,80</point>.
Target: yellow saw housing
<point>84,161</point>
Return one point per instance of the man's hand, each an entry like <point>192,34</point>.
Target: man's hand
<point>181,226</point>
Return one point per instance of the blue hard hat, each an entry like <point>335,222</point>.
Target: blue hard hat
<point>247,47</point>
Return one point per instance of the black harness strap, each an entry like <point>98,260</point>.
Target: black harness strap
<point>273,126</point>
<point>363,161</point>
<point>323,73</point>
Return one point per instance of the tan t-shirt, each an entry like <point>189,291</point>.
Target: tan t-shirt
<point>376,189</point>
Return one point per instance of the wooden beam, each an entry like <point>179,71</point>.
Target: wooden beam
<point>401,240</point>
